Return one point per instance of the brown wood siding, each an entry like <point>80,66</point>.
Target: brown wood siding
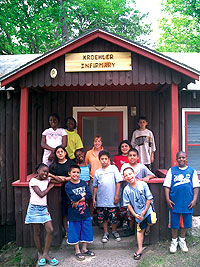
<point>145,71</point>
<point>155,106</point>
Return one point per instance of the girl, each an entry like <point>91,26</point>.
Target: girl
<point>122,157</point>
<point>74,139</point>
<point>37,213</point>
<point>52,137</point>
<point>80,161</point>
<point>59,174</point>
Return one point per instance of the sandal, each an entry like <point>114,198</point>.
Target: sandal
<point>79,257</point>
<point>137,256</point>
<point>88,253</point>
<point>42,262</point>
<point>53,262</point>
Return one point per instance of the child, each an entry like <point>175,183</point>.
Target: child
<point>37,213</point>
<point>122,157</point>
<point>51,138</point>
<point>140,170</point>
<point>74,140</point>
<point>92,159</point>
<point>143,141</point>
<point>59,174</point>
<point>181,191</point>
<point>137,197</point>
<point>80,161</point>
<point>80,223</point>
<point>142,173</point>
<point>106,194</point>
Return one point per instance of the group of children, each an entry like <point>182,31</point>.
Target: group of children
<point>121,184</point>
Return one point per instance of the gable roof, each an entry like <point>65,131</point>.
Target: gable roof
<point>89,36</point>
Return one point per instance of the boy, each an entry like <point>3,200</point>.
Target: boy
<point>142,173</point>
<point>106,195</point>
<point>181,191</point>
<point>137,197</point>
<point>143,141</point>
<point>80,224</point>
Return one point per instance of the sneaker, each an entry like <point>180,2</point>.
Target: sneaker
<point>173,246</point>
<point>116,236</point>
<point>105,238</point>
<point>128,232</point>
<point>125,226</point>
<point>183,245</point>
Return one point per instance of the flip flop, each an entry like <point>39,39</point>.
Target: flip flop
<point>137,256</point>
<point>42,262</point>
<point>79,257</point>
<point>53,262</point>
<point>88,253</point>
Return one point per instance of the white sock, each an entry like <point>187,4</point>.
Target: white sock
<point>174,239</point>
<point>181,238</point>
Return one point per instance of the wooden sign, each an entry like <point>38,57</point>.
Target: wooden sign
<point>98,61</point>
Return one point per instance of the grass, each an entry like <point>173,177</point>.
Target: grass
<point>158,255</point>
<point>13,256</point>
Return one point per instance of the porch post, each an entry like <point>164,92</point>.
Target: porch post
<point>174,123</point>
<point>23,135</point>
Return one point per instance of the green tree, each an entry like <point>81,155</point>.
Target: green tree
<point>36,26</point>
<point>180,26</point>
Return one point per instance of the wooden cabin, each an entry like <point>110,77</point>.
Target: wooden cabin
<point>105,82</point>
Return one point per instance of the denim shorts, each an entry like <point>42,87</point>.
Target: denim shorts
<point>37,214</point>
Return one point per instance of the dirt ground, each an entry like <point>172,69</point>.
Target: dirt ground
<point>156,255</point>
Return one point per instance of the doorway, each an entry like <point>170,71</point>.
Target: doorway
<point>109,122</point>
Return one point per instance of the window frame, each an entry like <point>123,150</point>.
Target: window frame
<point>185,112</point>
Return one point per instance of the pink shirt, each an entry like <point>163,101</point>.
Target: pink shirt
<point>35,199</point>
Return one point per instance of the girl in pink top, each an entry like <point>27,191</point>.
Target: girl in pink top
<point>37,213</point>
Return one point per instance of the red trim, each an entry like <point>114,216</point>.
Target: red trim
<point>26,184</point>
<point>88,38</point>
<point>23,135</point>
<point>174,123</point>
<point>119,114</point>
<point>193,144</point>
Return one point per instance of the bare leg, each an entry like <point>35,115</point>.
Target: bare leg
<point>131,224</point>
<point>105,226</point>
<point>114,227</point>
<point>84,247</point>
<point>77,249</point>
<point>48,238</point>
<point>174,233</point>
<point>36,230</point>
<point>183,232</point>
<point>91,208</point>
<point>140,238</point>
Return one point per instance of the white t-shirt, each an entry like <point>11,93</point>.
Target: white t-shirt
<point>35,199</point>
<point>53,139</point>
<point>144,142</point>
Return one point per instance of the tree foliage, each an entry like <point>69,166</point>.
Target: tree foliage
<point>36,26</point>
<point>180,26</point>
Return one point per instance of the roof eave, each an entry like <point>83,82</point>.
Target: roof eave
<point>83,39</point>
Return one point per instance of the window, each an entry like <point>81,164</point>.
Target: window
<point>191,136</point>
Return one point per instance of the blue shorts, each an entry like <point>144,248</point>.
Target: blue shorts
<point>179,220</point>
<point>37,214</point>
<point>80,231</point>
<point>150,219</point>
